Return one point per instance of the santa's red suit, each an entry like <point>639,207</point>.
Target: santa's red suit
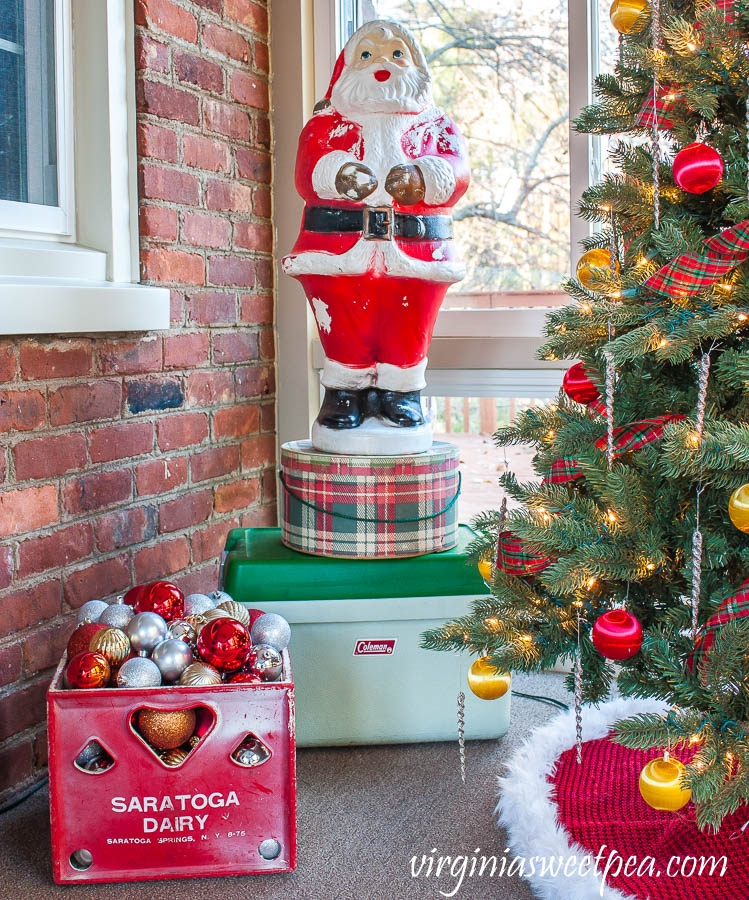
<point>376,286</point>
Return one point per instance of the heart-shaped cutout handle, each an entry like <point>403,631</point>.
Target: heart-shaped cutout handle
<point>172,735</point>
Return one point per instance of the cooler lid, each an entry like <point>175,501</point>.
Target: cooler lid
<point>259,569</point>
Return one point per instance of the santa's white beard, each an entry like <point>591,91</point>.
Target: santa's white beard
<point>357,92</point>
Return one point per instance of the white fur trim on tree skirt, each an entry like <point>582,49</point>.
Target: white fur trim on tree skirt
<point>526,809</point>
<point>439,179</point>
<point>324,174</point>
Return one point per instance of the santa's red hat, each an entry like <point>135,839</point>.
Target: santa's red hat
<point>384,28</point>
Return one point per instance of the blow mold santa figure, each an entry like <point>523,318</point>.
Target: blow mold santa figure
<point>379,168</point>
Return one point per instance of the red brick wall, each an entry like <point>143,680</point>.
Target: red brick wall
<point>128,457</point>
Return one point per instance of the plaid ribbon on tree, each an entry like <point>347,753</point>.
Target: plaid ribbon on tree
<point>689,273</point>
<point>627,438</point>
<point>636,435</point>
<point>514,559</point>
<point>735,607</point>
<point>659,109</point>
<point>563,470</point>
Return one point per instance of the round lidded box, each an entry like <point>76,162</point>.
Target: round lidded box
<point>369,506</point>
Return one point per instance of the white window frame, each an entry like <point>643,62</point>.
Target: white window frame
<point>474,352</point>
<point>75,268</point>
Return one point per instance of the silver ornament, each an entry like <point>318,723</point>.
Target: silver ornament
<point>197,604</point>
<point>269,662</point>
<point>271,629</point>
<point>251,752</point>
<point>172,657</point>
<point>91,611</point>
<point>220,597</point>
<point>146,630</point>
<point>138,672</point>
<point>183,631</point>
<point>117,615</point>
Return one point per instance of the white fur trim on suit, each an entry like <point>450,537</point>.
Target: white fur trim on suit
<point>394,378</point>
<point>324,174</point>
<point>439,179</point>
<point>526,809</point>
<point>366,256</point>
<point>336,375</point>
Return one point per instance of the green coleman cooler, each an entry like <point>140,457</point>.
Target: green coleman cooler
<point>360,674</point>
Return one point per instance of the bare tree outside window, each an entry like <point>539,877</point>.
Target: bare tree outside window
<point>500,70</point>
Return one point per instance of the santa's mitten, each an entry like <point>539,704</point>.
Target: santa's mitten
<point>355,181</point>
<point>406,185</point>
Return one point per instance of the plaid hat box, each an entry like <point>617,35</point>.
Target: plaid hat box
<point>365,507</point>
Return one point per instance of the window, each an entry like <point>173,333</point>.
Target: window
<point>68,209</point>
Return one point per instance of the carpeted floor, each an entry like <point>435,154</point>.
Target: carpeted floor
<point>363,813</point>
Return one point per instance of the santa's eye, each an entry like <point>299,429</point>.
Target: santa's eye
<point>397,54</point>
<point>366,54</point>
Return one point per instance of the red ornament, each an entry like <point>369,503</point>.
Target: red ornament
<point>132,596</point>
<point>87,670</point>
<point>697,168</point>
<point>164,598</point>
<point>578,387</point>
<point>254,615</point>
<point>224,643</point>
<point>246,678</point>
<point>617,634</point>
<point>80,639</point>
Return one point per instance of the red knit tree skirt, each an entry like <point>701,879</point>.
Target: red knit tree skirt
<point>599,805</point>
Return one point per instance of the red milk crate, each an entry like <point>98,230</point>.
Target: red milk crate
<point>140,819</point>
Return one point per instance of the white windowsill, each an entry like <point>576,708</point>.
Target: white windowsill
<point>59,306</point>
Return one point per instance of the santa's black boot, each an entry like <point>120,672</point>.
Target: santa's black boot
<point>402,408</point>
<point>341,409</point>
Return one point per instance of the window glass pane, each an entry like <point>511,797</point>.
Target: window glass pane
<point>470,423</point>
<point>500,71</point>
<point>28,141</point>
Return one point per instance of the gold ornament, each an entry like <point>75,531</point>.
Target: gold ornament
<point>210,614</point>
<point>166,728</point>
<point>174,757</point>
<point>200,675</point>
<point>196,621</point>
<point>660,784</point>
<point>113,644</point>
<point>624,14</point>
<point>486,569</point>
<point>235,611</point>
<point>738,508</point>
<point>589,263</point>
<point>485,682</point>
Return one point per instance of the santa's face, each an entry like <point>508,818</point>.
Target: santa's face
<point>381,77</point>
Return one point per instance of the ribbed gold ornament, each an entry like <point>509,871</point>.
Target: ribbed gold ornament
<point>174,757</point>
<point>166,729</point>
<point>235,611</point>
<point>200,675</point>
<point>210,614</point>
<point>113,644</point>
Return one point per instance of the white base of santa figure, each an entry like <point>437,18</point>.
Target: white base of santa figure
<point>374,437</point>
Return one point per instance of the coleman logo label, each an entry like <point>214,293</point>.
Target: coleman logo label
<point>381,647</point>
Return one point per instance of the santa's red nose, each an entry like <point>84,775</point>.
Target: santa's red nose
<point>382,74</point>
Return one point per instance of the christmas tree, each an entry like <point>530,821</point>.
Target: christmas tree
<point>628,526</point>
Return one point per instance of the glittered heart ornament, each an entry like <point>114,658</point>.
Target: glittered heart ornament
<point>163,598</point>
<point>697,168</point>
<point>224,643</point>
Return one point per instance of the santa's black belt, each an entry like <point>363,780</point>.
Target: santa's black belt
<point>378,223</point>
